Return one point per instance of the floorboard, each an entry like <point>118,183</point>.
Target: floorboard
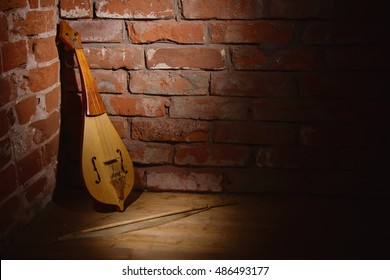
<point>257,227</point>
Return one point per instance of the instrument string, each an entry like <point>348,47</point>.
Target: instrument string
<point>94,104</point>
<point>104,149</point>
<point>88,96</point>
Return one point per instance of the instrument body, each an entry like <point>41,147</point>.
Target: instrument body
<point>106,165</point>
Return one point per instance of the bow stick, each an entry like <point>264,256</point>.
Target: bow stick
<point>137,224</point>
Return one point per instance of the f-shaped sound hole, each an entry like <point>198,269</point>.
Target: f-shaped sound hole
<point>120,154</point>
<point>97,181</point>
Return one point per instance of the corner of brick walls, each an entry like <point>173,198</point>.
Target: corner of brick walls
<point>243,96</point>
<point>29,110</point>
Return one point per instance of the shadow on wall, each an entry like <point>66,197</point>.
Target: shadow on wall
<point>69,168</point>
<point>291,98</point>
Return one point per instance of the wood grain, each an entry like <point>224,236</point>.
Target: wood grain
<point>92,100</point>
<point>258,227</point>
<point>104,156</point>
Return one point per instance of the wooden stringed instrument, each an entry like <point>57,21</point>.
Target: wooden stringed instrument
<point>107,168</point>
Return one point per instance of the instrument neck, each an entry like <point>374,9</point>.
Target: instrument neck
<point>92,101</point>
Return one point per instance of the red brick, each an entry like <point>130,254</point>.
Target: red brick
<point>47,3</point>
<point>260,133</point>
<point>3,28</point>
<point>171,31</point>
<point>26,108</point>
<point>358,58</point>
<point>46,128</point>
<point>136,106</point>
<point>170,83</point>
<point>5,152</point>
<point>344,32</point>
<point>36,22</point>
<point>43,77</point>
<point>223,9</point>
<point>76,9</point>
<point>43,49</point>
<point>150,153</point>
<point>253,84</point>
<point>209,108</point>
<point>33,4</point>
<point>166,130</point>
<point>13,55</point>
<point>52,100</point>
<point>35,189</point>
<point>254,58</point>
<point>206,58</point>
<point>212,155</point>
<point>301,9</point>
<point>9,182</point>
<point>115,57</point>
<point>111,82</point>
<point>138,9</point>
<point>352,135</point>
<point>108,31</point>
<point>8,90</point>
<point>29,166</point>
<point>140,179</point>
<point>264,31</point>
<point>340,84</point>
<point>12,4</point>
<point>168,179</point>
<point>106,81</point>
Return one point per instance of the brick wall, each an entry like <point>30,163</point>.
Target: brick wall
<point>223,95</point>
<point>252,95</point>
<point>29,110</point>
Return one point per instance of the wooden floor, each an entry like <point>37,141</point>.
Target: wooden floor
<point>257,227</point>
